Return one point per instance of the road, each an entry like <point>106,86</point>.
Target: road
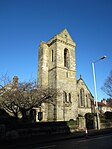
<point>99,142</point>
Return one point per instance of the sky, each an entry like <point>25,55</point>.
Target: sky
<point>24,23</point>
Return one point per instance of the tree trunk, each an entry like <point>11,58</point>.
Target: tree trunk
<point>24,115</point>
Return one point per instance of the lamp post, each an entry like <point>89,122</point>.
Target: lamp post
<point>95,91</point>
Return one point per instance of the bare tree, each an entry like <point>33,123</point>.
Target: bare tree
<point>109,101</point>
<point>4,80</point>
<point>26,97</point>
<point>107,87</point>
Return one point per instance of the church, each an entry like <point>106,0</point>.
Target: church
<point>57,70</point>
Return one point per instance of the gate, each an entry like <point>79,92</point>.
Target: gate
<point>89,117</point>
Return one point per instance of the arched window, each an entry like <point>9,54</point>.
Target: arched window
<point>64,96</point>
<point>69,95</point>
<point>52,55</point>
<point>82,97</point>
<point>66,58</point>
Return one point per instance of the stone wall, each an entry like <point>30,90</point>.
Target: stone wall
<point>106,125</point>
<point>52,73</point>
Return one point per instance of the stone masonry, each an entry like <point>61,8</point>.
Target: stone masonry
<point>57,69</point>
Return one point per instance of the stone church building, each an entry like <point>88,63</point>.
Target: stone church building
<point>57,69</point>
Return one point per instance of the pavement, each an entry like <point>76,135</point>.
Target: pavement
<point>27,141</point>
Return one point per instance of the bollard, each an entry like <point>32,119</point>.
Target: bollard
<point>86,133</point>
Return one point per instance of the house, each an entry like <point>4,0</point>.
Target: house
<point>104,106</point>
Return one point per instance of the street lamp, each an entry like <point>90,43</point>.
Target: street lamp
<point>95,91</point>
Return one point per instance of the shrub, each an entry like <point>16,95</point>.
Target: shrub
<point>108,115</point>
<point>89,116</point>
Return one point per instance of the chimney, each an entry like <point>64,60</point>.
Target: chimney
<point>15,82</point>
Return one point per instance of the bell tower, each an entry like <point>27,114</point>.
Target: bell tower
<point>57,69</point>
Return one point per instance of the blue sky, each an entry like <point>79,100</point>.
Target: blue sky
<point>24,23</point>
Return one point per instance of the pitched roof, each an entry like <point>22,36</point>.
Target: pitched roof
<point>63,36</point>
<point>104,105</point>
<point>80,79</point>
<point>101,104</point>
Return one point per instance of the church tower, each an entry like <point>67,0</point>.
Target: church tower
<point>57,69</point>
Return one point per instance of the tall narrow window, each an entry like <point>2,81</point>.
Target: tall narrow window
<point>69,97</point>
<point>66,58</point>
<point>82,97</point>
<point>64,96</point>
<point>52,55</point>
